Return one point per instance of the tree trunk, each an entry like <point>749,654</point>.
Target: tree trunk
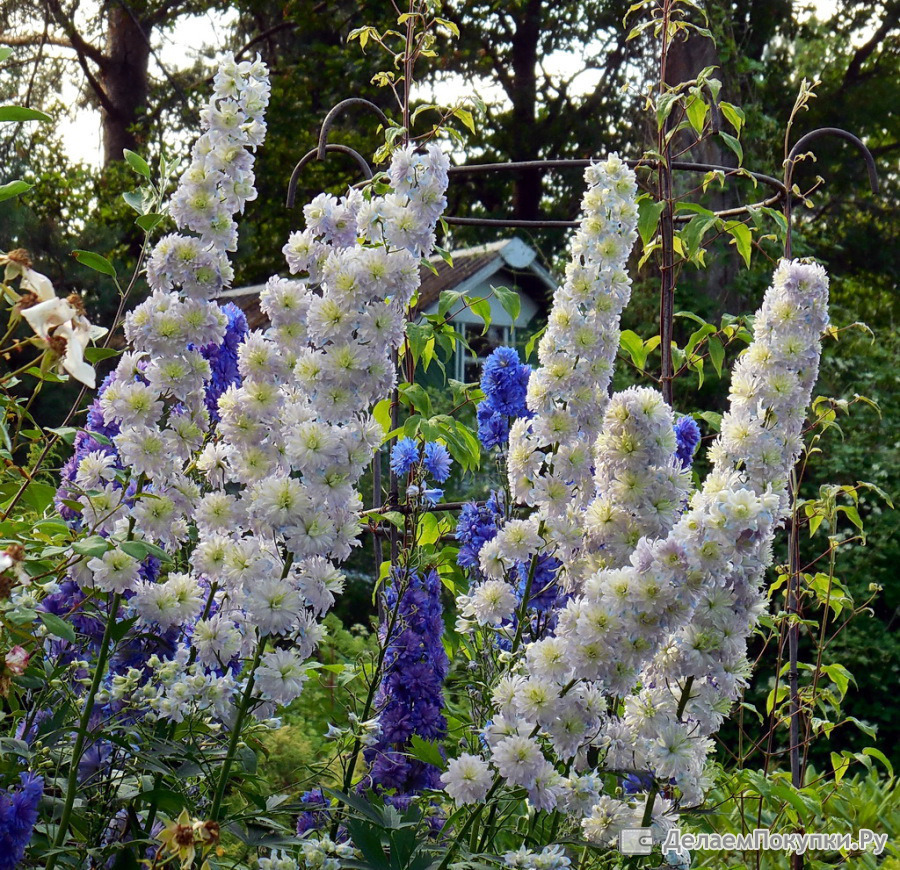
<point>528,185</point>
<point>125,81</point>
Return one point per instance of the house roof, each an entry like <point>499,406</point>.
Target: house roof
<point>471,266</point>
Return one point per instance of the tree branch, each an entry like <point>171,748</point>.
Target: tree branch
<point>76,40</point>
<point>864,52</point>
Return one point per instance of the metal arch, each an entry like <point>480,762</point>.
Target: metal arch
<point>332,116</point>
<point>317,155</point>
<point>792,161</point>
<point>580,163</point>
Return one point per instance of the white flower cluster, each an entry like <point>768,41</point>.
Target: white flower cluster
<point>550,454</point>
<point>568,393</point>
<point>641,487</point>
<point>549,858</point>
<point>666,586</point>
<point>263,506</point>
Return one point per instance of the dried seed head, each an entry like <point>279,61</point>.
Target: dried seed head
<point>26,300</point>
<point>19,256</point>
<point>75,300</point>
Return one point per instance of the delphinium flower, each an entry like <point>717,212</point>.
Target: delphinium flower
<point>665,588</point>
<point>741,503</point>
<point>687,436</point>
<point>641,487</point>
<point>568,393</point>
<point>477,524</point>
<point>410,698</point>
<point>316,815</point>
<point>18,814</point>
<point>404,456</point>
<point>682,604</point>
<point>504,382</point>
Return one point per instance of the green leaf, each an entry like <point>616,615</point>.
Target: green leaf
<point>530,344</point>
<point>58,627</point>
<point>734,145</point>
<point>839,764</point>
<point>19,113</point>
<point>465,116</point>
<point>97,354</point>
<point>742,239</point>
<point>633,344</point>
<point>415,394</point>
<point>696,113</point>
<point>382,414</point>
<point>716,354</point>
<point>427,751</point>
<point>140,550</point>
<point>135,198</point>
<point>95,262</point>
<point>480,307</point>
<point>137,163</point>
<point>734,115</point>
<point>5,53</point>
<point>13,188</point>
<point>94,546</point>
<point>148,221</point>
<point>713,418</point>
<point>510,301</point>
<point>648,218</point>
<point>878,754</point>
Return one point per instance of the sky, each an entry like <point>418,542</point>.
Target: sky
<point>178,49</point>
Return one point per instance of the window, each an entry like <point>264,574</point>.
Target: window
<point>468,367</point>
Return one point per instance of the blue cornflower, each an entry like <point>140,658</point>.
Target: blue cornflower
<point>504,382</point>
<point>437,461</point>
<point>18,813</point>
<point>687,437</point>
<point>404,456</point>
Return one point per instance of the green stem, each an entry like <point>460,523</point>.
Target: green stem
<point>243,709</point>
<point>84,722</point>
<point>157,779</point>
<point>523,610</point>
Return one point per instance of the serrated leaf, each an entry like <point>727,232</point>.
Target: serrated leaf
<point>20,113</point>
<point>58,627</point>
<point>95,262</point>
<point>427,751</point>
<point>137,163</point>
<point>13,188</point>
